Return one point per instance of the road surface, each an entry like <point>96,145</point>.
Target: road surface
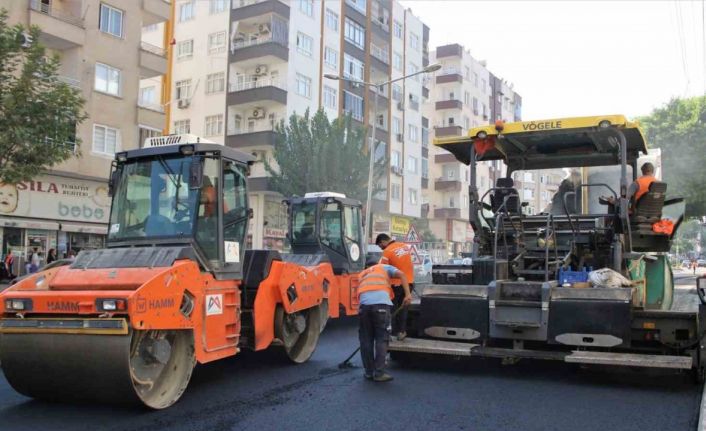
<point>260,391</point>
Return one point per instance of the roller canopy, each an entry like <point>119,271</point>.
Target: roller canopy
<point>564,142</point>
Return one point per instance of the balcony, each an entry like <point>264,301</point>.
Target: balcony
<point>453,50</point>
<point>453,213</point>
<point>380,55</point>
<point>425,92</point>
<point>425,183</point>
<point>244,9</point>
<point>381,21</point>
<point>61,29</point>
<point>153,61</point>
<point>414,105</point>
<point>71,82</point>
<point>447,185</point>
<point>151,116</point>
<point>449,104</point>
<point>448,131</point>
<point>257,137</point>
<point>241,93</point>
<point>446,76</point>
<point>155,11</point>
<point>259,48</point>
<point>445,158</point>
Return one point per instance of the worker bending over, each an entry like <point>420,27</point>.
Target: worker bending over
<point>398,255</point>
<point>375,297</point>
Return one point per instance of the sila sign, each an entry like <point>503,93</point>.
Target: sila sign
<point>56,198</point>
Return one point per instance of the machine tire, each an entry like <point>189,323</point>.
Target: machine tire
<point>299,343</point>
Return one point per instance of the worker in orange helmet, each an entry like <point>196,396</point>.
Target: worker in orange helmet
<point>375,298</point>
<point>399,255</point>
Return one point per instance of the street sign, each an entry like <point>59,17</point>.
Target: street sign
<point>412,237</point>
<point>415,254</point>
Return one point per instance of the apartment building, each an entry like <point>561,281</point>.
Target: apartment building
<point>463,94</point>
<point>102,53</point>
<point>271,65</point>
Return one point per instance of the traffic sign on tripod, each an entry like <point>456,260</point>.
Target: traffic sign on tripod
<point>412,236</point>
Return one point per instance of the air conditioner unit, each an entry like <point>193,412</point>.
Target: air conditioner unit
<point>183,103</point>
<point>258,113</point>
<point>400,106</point>
<point>261,70</point>
<point>264,28</point>
<point>397,170</point>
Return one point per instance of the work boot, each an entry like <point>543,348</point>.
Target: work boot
<point>384,377</point>
<point>368,376</point>
<point>401,336</point>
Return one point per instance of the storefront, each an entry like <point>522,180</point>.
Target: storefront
<point>52,212</point>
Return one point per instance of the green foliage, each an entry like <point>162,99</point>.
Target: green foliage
<point>679,129</point>
<point>38,113</point>
<point>687,237</point>
<point>313,154</point>
<point>428,236</point>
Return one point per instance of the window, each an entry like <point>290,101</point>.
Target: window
<point>466,122</point>
<point>183,89</point>
<point>412,193</point>
<point>466,98</point>
<point>235,199</point>
<point>412,164</point>
<point>354,33</point>
<point>353,105</point>
<point>303,85</point>
<point>182,126</point>
<point>467,72</point>
<point>304,44</point>
<point>352,67</point>
<point>185,49</point>
<point>307,7</point>
<point>452,202</point>
<point>107,79</point>
<point>396,92</point>
<point>213,125</point>
<point>144,133</point>
<point>484,85</point>
<point>475,105</point>
<point>106,140</point>
<point>528,177</point>
<point>475,79</point>
<point>414,41</point>
<point>332,20</point>
<point>148,96</point>
<point>464,201</point>
<point>413,68</point>
<point>450,174</point>
<point>413,133</point>
<point>542,179</point>
<point>395,192</point>
<point>397,61</point>
<point>396,126</point>
<point>218,6</point>
<point>425,168</point>
<point>187,11</point>
<point>358,4</point>
<point>397,29</point>
<point>215,82</point>
<point>329,97</point>
<point>395,159</point>
<point>528,194</point>
<point>111,20</point>
<point>217,42</point>
<point>331,57</point>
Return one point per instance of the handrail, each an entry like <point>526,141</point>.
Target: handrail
<point>153,49</point>
<point>46,9</point>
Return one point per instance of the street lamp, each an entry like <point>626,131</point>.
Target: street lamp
<point>377,86</point>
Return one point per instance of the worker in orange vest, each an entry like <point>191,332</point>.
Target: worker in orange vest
<point>642,185</point>
<point>399,255</point>
<point>375,298</point>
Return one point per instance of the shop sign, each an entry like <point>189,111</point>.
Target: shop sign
<point>56,198</point>
<point>275,233</point>
<point>381,226</point>
<point>399,225</point>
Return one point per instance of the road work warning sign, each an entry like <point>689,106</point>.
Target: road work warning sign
<point>214,304</point>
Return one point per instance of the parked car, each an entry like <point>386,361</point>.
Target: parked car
<point>701,262</point>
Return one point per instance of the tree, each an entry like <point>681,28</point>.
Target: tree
<point>38,113</point>
<point>314,154</point>
<point>679,129</point>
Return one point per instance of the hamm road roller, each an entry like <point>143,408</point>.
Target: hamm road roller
<point>174,285</point>
<point>585,279</point>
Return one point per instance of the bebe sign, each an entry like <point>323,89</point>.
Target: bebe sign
<point>57,198</point>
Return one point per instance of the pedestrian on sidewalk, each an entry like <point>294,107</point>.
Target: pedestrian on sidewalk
<point>399,255</point>
<point>51,256</point>
<point>375,298</point>
<point>9,262</point>
<point>34,261</point>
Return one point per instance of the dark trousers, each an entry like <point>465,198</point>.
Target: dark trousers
<point>374,334</point>
<point>399,322</point>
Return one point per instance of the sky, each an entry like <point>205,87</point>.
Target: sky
<point>573,58</point>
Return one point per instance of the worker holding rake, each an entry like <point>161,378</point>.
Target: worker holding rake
<point>375,298</point>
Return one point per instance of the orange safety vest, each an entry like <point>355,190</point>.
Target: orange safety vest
<point>399,255</point>
<point>375,278</point>
<point>643,186</point>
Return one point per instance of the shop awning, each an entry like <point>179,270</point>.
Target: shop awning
<point>101,229</point>
<point>29,223</point>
